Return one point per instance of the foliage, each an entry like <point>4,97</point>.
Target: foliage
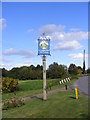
<point>13,103</point>
<point>24,72</point>
<point>84,63</point>
<point>56,71</point>
<point>0,85</point>
<point>79,70</point>
<point>5,104</point>
<point>32,72</point>
<point>84,67</point>
<point>88,70</point>
<point>52,83</point>
<point>72,69</point>
<point>4,72</point>
<point>9,84</point>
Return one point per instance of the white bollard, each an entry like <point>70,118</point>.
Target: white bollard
<point>69,79</point>
<point>60,82</point>
<point>64,80</point>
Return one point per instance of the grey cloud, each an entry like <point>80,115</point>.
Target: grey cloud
<point>22,53</point>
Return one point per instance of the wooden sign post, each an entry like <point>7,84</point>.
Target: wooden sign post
<point>44,78</point>
<point>44,49</point>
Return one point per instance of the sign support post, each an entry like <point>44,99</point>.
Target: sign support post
<point>44,77</point>
<point>44,49</point>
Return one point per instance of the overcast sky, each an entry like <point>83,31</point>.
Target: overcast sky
<point>23,23</point>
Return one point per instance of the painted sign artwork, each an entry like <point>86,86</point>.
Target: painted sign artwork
<point>44,47</point>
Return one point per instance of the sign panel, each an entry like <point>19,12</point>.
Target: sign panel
<point>43,46</point>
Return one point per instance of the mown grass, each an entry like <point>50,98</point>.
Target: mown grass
<point>31,87</point>
<point>58,105</point>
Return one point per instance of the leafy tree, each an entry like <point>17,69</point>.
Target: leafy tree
<point>13,73</point>
<point>24,73</point>
<point>72,69</point>
<point>4,72</point>
<point>79,70</point>
<point>52,72</point>
<point>88,70</point>
<point>56,71</point>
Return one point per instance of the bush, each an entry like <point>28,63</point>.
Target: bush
<point>13,103</point>
<point>5,105</point>
<point>9,84</point>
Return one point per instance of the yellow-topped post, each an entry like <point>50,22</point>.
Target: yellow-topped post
<point>76,92</point>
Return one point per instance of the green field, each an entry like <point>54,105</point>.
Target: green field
<point>58,105</point>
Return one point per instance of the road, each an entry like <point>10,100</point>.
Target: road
<point>83,84</point>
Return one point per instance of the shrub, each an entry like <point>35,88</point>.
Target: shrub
<point>5,105</point>
<point>13,103</point>
<point>21,102</point>
<point>9,84</point>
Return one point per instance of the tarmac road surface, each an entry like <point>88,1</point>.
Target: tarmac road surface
<point>83,84</point>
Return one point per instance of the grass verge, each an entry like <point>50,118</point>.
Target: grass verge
<point>58,105</point>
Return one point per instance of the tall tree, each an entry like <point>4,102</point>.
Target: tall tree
<point>84,62</point>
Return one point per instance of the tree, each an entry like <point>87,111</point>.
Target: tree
<point>56,71</point>
<point>79,70</point>
<point>4,72</point>
<point>14,73</point>
<point>52,71</point>
<point>24,73</point>
<point>84,67</point>
<point>88,70</point>
<point>72,69</point>
<point>84,63</point>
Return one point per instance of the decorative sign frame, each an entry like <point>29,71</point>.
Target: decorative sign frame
<point>43,46</point>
